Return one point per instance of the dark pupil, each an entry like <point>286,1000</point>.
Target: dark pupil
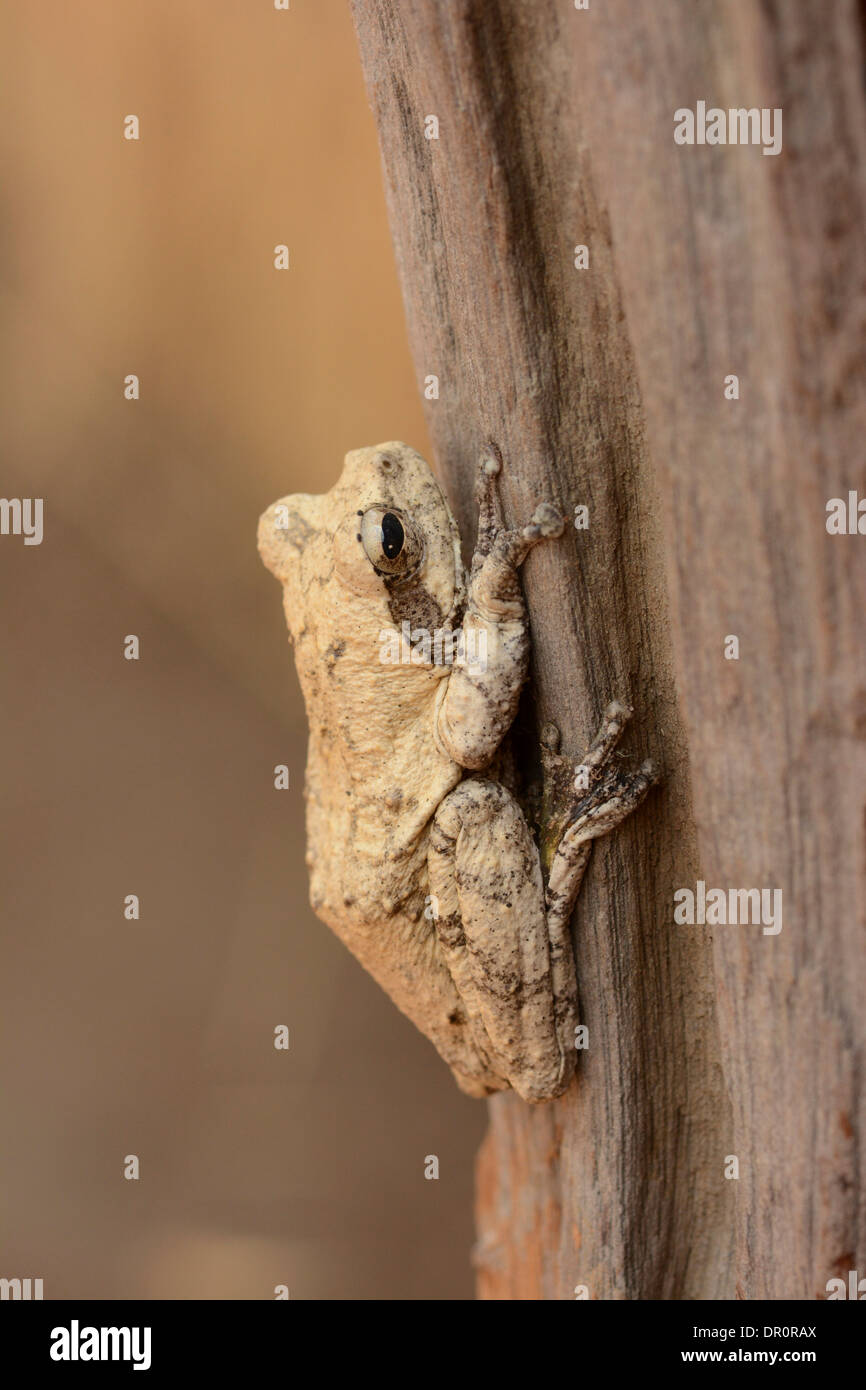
<point>392,536</point>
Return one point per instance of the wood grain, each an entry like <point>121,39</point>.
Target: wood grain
<point>605,387</point>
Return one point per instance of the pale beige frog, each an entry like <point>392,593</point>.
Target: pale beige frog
<point>430,876</point>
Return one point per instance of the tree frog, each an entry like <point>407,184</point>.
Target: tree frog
<point>420,861</point>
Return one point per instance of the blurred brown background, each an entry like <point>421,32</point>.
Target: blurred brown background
<point>155,777</point>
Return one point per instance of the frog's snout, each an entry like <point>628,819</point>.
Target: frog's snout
<point>287,526</point>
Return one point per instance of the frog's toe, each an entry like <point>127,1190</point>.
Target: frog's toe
<point>551,738</point>
<point>547,522</point>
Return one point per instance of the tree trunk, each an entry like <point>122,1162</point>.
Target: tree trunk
<point>605,387</point>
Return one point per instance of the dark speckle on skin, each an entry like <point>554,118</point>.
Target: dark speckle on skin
<point>333,654</point>
<point>415,606</point>
<point>298,532</point>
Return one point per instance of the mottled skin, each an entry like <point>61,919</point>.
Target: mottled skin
<point>432,879</point>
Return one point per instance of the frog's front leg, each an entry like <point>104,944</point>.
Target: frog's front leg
<point>516,980</point>
<point>478,701</point>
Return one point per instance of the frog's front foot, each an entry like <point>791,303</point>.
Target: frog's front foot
<point>591,798</point>
<point>513,546</point>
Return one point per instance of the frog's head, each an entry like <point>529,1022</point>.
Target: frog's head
<point>381,546</point>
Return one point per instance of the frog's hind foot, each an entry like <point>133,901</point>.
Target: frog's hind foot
<point>590,798</point>
<point>563,777</point>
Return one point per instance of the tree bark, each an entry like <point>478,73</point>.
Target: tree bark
<point>605,387</point>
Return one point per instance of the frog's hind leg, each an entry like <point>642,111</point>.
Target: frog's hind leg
<point>517,986</point>
<point>597,797</point>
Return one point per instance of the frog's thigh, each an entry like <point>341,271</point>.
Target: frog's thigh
<point>486,878</point>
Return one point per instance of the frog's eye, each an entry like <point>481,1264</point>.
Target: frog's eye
<point>391,543</point>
